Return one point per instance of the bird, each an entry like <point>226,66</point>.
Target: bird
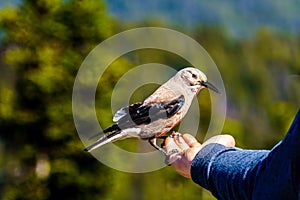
<point>159,113</point>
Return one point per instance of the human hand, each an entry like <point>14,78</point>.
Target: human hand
<point>186,148</point>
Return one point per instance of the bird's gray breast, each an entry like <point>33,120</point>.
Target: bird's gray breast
<point>152,129</point>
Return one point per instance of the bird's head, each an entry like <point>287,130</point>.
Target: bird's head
<point>196,79</point>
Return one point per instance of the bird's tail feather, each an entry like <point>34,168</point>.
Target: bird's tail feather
<point>104,140</point>
<point>112,128</point>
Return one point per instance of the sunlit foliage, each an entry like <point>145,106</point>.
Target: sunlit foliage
<point>43,44</point>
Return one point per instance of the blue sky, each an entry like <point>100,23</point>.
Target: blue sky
<point>4,3</point>
<point>240,18</point>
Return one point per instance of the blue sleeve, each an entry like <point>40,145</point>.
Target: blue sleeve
<point>226,172</point>
<point>232,173</point>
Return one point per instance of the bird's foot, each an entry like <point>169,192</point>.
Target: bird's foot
<point>170,156</point>
<point>174,152</point>
<point>152,141</point>
<point>175,135</point>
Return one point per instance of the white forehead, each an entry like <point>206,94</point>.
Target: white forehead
<point>194,71</point>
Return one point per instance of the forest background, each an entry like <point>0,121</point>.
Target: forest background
<point>255,44</point>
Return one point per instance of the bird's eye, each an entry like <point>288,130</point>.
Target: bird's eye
<point>194,76</point>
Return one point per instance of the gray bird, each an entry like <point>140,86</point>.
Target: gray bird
<point>159,113</point>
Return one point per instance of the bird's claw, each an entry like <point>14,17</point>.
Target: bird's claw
<point>171,156</point>
<point>172,152</point>
<point>175,135</point>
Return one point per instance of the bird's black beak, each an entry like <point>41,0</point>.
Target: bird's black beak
<point>210,86</point>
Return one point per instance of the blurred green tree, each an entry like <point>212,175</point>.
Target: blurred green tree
<point>43,44</point>
<point>260,76</point>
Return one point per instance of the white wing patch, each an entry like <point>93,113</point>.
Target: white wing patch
<point>119,114</point>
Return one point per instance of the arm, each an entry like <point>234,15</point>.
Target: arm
<point>229,173</point>
<point>232,173</point>
<point>216,165</point>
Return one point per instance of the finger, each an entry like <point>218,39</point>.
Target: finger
<point>168,140</point>
<point>229,141</point>
<point>171,146</point>
<point>173,157</point>
<point>181,143</point>
<point>226,140</point>
<point>173,150</point>
<point>190,140</point>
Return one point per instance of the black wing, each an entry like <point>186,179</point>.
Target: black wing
<point>136,114</point>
